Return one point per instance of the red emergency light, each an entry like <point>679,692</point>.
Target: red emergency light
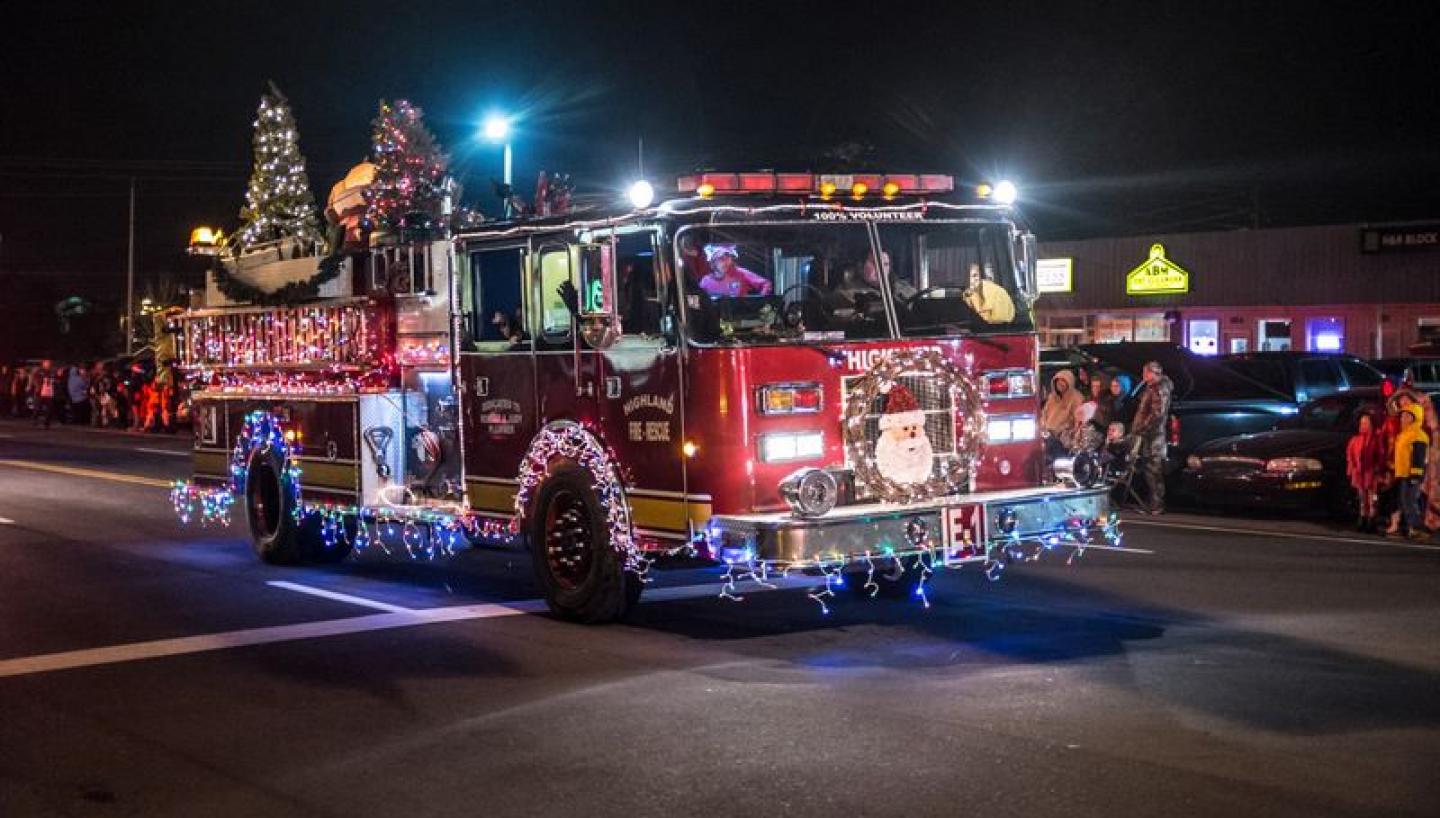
<point>706,185</point>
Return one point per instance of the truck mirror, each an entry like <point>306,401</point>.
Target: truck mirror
<point>599,320</point>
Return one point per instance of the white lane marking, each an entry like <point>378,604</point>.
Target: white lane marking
<point>338,597</point>
<point>6,521</point>
<point>167,452</point>
<point>136,651</point>
<point>1124,550</point>
<point>1288,535</point>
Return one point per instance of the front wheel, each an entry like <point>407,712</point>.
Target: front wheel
<point>580,572</point>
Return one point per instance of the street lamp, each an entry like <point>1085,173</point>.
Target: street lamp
<point>497,129</point>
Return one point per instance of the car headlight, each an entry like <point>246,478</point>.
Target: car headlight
<point>1293,464</point>
<point>1193,463</point>
<point>782,446</point>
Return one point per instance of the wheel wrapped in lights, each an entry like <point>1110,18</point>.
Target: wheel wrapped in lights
<point>950,402</point>
<point>810,492</point>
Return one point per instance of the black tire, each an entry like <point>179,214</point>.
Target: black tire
<point>275,533</point>
<point>581,574</point>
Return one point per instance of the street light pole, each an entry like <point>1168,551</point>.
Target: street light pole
<point>130,278</point>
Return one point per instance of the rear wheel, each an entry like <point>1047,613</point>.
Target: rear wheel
<point>579,570</point>
<point>270,507</point>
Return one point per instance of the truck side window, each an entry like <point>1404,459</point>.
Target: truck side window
<point>637,298</point>
<point>496,315</point>
<point>554,315</point>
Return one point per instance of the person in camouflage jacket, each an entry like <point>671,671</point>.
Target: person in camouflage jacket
<point>1152,416</point>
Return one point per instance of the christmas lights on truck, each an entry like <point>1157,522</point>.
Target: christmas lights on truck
<point>784,373</point>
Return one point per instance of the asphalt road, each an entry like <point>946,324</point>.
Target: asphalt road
<point>149,669</point>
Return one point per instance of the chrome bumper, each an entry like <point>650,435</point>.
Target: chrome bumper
<point>1048,515</point>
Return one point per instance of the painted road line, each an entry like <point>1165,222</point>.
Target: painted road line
<point>1287,535</point>
<point>96,474</point>
<point>1122,549</point>
<point>137,651</point>
<point>166,452</point>
<point>338,597</point>
<point>6,521</point>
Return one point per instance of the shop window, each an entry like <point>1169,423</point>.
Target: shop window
<point>1324,334</point>
<point>1239,344</point>
<point>1204,336</point>
<point>1152,328</point>
<point>1429,331</point>
<point>1111,329</point>
<point>1274,335</point>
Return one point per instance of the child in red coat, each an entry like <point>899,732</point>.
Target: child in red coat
<point>1364,467</point>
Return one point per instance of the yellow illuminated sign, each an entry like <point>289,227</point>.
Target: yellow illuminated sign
<point>1157,275</point>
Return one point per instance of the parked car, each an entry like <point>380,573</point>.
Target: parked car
<point>1422,373</point>
<point>1306,376</point>
<point>1298,466</point>
<point>1210,401</point>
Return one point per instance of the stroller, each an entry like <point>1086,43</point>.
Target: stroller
<point>1088,454</point>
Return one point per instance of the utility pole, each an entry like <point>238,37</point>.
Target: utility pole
<point>130,278</point>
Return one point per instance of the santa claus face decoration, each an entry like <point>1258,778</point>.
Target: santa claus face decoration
<point>903,453</point>
<point>888,440</point>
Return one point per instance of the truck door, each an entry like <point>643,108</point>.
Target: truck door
<point>566,369</point>
<point>497,374</point>
<point>639,394</point>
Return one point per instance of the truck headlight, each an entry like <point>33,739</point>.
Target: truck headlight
<point>779,447</point>
<point>1010,428</point>
<point>810,492</point>
<point>1293,464</point>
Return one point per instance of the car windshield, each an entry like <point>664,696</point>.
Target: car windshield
<point>822,282</point>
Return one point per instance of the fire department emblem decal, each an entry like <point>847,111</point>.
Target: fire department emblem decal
<point>913,427</point>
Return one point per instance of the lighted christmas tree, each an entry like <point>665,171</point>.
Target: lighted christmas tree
<point>279,203</point>
<point>410,168</point>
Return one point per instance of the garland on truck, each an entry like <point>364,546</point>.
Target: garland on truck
<point>233,288</point>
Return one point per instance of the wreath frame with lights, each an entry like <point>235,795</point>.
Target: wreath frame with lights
<point>956,472</point>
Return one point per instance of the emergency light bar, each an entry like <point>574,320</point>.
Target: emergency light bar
<point>706,185</point>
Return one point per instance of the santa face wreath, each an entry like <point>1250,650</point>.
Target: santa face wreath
<point>901,465</point>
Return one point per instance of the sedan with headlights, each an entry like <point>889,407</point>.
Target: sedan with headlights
<point>1298,466</point>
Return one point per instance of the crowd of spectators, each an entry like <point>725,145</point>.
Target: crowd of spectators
<point>106,394</point>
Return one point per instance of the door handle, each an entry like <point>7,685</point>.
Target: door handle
<point>612,386</point>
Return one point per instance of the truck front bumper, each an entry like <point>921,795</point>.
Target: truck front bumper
<point>963,526</point>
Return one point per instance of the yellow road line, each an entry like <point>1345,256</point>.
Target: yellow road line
<point>75,471</point>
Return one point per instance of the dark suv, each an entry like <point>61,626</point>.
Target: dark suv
<point>1422,373</point>
<point>1306,376</point>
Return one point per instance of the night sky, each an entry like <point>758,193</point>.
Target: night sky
<point>1114,118</point>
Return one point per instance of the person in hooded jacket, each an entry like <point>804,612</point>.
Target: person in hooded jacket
<point>1411,450</point>
<point>1058,413</point>
<point>1152,416</point>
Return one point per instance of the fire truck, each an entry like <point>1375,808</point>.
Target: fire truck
<point>780,372</point>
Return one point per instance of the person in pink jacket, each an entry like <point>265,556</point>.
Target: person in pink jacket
<point>727,277</point>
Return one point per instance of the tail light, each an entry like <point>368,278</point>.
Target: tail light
<point>788,399</point>
<point>1173,431</point>
<point>1009,383</point>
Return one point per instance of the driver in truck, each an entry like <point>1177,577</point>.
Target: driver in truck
<point>727,277</point>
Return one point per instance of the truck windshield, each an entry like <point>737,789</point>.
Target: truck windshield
<point>808,282</point>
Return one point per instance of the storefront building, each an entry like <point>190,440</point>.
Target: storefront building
<point>1370,290</point>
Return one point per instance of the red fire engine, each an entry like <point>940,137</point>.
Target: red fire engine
<point>781,372</point>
